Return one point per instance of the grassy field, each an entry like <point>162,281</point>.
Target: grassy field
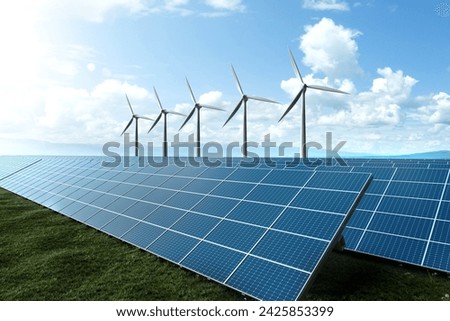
<point>47,256</point>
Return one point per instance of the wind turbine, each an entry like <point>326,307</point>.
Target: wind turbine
<point>303,91</point>
<point>163,112</point>
<point>241,102</point>
<point>197,106</point>
<point>134,117</point>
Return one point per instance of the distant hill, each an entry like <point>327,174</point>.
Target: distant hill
<point>441,154</point>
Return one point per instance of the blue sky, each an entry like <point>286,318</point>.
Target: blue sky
<point>66,65</point>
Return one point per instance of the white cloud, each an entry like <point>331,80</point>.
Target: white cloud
<point>437,111</point>
<point>230,5</point>
<point>93,11</point>
<point>322,5</point>
<point>212,98</point>
<point>293,85</point>
<point>63,114</point>
<point>91,67</point>
<point>379,106</point>
<point>330,48</point>
<point>393,86</point>
<point>99,11</point>
<point>67,60</point>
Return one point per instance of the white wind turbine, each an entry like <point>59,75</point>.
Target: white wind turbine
<point>135,117</point>
<point>241,102</point>
<point>164,112</point>
<point>303,91</point>
<point>197,106</point>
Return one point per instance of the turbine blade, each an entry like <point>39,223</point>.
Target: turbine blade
<point>188,117</point>
<point>129,104</point>
<point>143,117</point>
<point>157,98</point>
<point>190,90</point>
<point>176,113</point>
<point>156,121</point>
<point>263,99</point>
<point>212,107</point>
<point>239,87</point>
<point>293,103</point>
<point>295,67</point>
<point>234,111</point>
<point>128,125</point>
<point>323,88</point>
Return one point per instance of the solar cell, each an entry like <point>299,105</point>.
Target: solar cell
<point>262,231</point>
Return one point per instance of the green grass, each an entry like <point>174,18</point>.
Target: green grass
<point>47,256</point>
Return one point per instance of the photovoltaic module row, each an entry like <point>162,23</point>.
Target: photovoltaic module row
<point>13,164</point>
<point>405,213</point>
<point>261,231</point>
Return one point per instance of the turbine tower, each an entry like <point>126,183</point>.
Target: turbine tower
<point>303,92</point>
<point>243,101</point>
<point>165,113</point>
<point>197,106</point>
<point>134,117</point>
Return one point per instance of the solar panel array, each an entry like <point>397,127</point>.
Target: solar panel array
<point>13,164</point>
<point>405,213</point>
<point>405,216</point>
<point>262,231</point>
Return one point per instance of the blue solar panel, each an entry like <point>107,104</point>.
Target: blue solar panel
<point>195,224</point>
<point>237,236</point>
<point>331,201</point>
<point>142,235</point>
<point>263,231</point>
<point>408,206</point>
<point>290,249</point>
<point>438,256</point>
<point>404,218</point>
<point>232,189</point>
<point>444,211</point>
<point>272,194</point>
<point>393,246</point>
<point>309,223</point>
<point>173,246</point>
<point>412,195</point>
<point>429,191</point>
<point>284,283</point>
<point>421,175</point>
<point>10,165</point>
<point>215,206</point>
<point>255,213</point>
<point>288,177</point>
<point>401,225</point>
<point>208,259</point>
